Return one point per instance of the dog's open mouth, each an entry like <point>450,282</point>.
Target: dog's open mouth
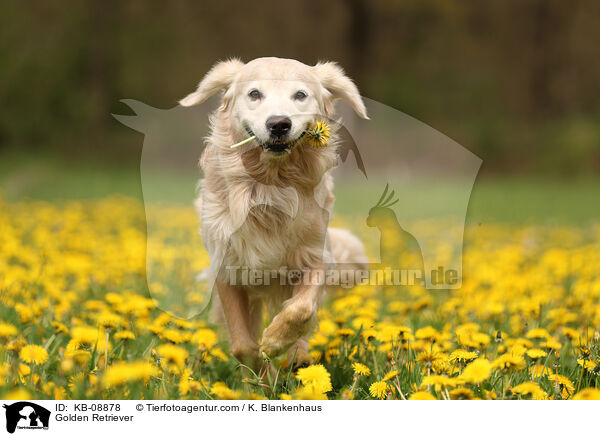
<point>277,147</point>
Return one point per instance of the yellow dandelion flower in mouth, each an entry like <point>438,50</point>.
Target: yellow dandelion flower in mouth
<point>379,390</point>
<point>315,377</point>
<point>319,135</point>
<point>33,354</point>
<point>361,369</point>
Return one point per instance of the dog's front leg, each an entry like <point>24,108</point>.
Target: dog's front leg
<point>295,319</point>
<point>234,301</point>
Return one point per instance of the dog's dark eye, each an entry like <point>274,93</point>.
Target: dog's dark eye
<point>300,95</point>
<point>254,94</point>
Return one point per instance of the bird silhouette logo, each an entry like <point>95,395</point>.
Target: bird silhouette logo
<point>432,177</point>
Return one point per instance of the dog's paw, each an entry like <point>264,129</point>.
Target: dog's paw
<point>286,328</point>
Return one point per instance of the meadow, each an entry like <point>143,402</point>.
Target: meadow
<point>77,320</point>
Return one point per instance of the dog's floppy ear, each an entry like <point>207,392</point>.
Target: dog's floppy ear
<point>333,78</point>
<point>218,78</point>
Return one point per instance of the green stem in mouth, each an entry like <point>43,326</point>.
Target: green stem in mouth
<point>245,141</point>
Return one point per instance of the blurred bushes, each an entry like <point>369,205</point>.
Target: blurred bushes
<point>514,81</point>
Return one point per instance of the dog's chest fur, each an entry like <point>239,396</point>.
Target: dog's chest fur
<point>284,227</point>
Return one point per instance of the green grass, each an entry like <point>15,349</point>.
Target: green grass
<point>513,199</point>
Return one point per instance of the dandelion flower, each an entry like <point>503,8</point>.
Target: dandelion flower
<point>530,388</point>
<point>390,375</point>
<point>204,338</point>
<point>379,390</point>
<point>361,369</point>
<point>7,330</point>
<point>462,356</point>
<point>562,382</point>
<point>477,371</point>
<point>319,135</point>
<point>308,393</point>
<point>124,335</point>
<point>125,372</point>
<point>421,395</point>
<point>536,353</point>
<point>438,381</point>
<point>172,357</point>
<point>33,354</point>
<point>588,394</point>
<point>221,391</point>
<point>315,377</point>
<point>462,394</point>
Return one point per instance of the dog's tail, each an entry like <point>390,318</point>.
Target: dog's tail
<point>348,251</point>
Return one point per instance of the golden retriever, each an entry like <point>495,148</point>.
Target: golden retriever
<point>266,205</point>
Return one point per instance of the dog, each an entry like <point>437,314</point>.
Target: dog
<point>266,204</point>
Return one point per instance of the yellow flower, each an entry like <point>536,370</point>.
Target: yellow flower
<point>361,369</point>
<point>7,330</point>
<point>588,394</point>
<point>204,338</point>
<point>174,335</point>
<point>124,335</point>
<point>172,357</point>
<point>538,333</point>
<point>59,327</point>
<point>421,395</point>
<point>562,382</point>
<point>17,394</point>
<point>514,361</point>
<point>308,393</point>
<point>438,381</point>
<point>530,388</point>
<point>90,337</point>
<point>462,356</point>
<point>33,354</point>
<point>319,134</point>
<point>109,320</point>
<point>125,372</point>
<point>477,371</point>
<point>379,390</point>
<point>428,358</point>
<point>536,353</point>
<point>221,391</point>
<point>462,394</point>
<point>344,332</point>
<point>315,377</point>
<point>427,333</point>
<point>390,375</point>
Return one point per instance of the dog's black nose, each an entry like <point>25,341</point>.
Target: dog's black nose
<point>279,126</point>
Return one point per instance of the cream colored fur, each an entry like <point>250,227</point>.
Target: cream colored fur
<point>269,212</point>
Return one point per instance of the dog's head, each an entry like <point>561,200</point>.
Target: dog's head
<point>276,99</point>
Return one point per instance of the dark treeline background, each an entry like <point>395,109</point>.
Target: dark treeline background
<point>515,81</point>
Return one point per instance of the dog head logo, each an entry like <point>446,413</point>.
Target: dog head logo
<point>26,415</point>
